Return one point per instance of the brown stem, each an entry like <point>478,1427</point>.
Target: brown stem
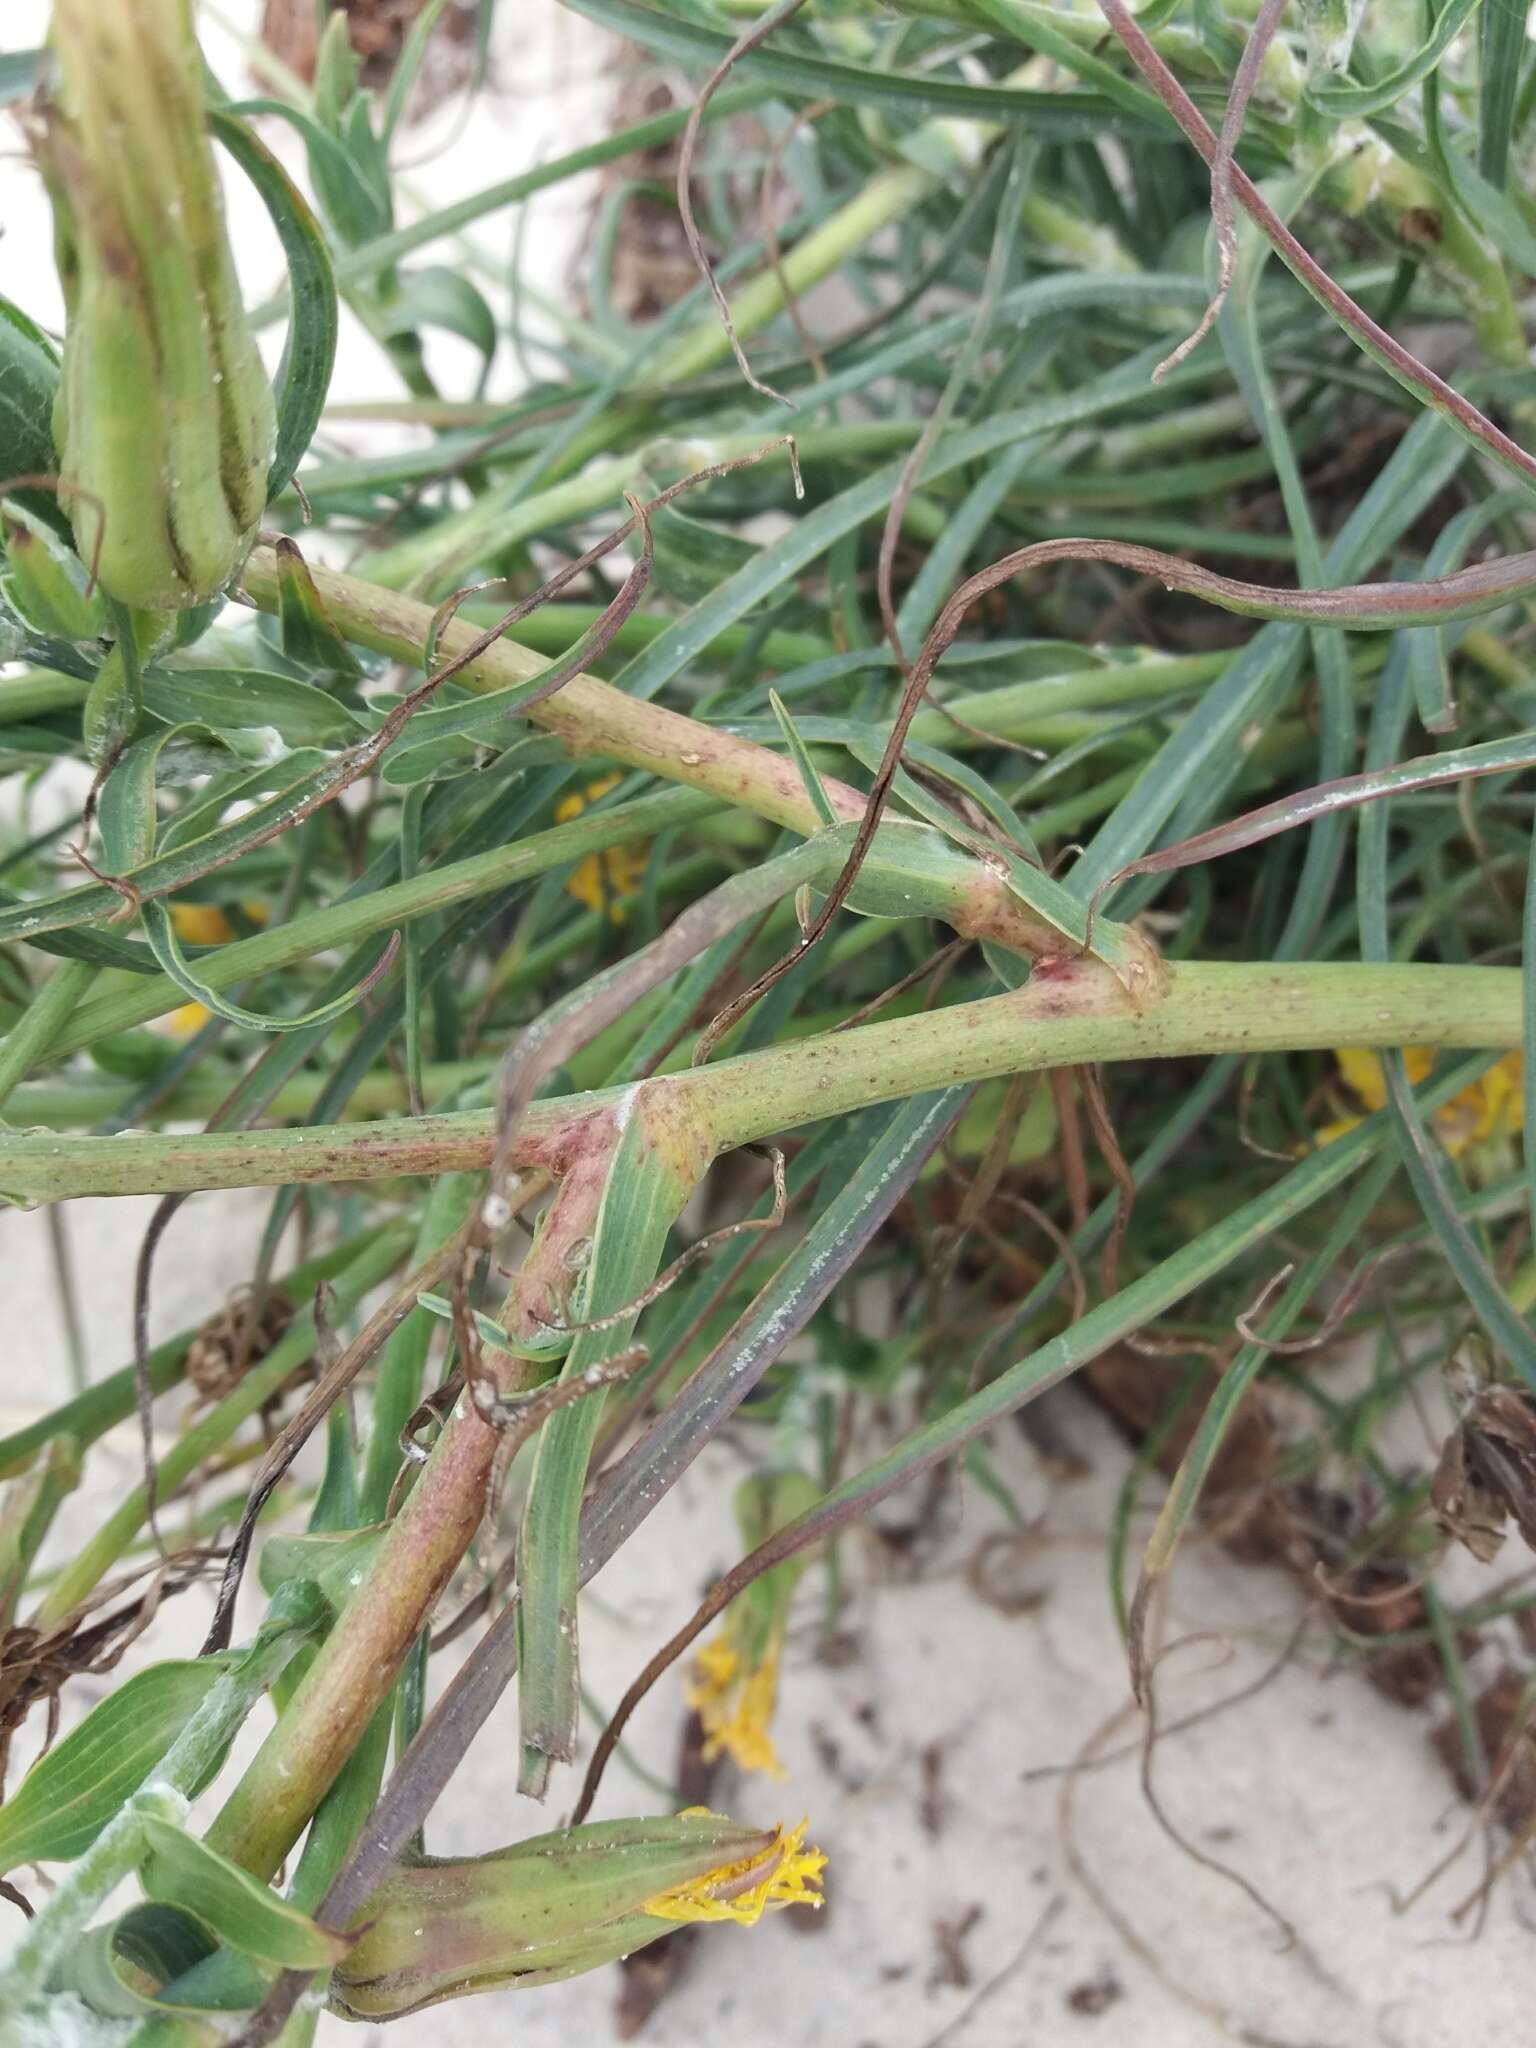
<point>1222,165</point>
<point>361,1658</point>
<point>593,718</point>
<point>748,41</point>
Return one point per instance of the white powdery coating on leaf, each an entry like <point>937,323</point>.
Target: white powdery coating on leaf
<point>65,2021</point>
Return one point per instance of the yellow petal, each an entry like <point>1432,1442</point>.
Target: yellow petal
<point>1363,1075</point>
<point>788,1875</point>
<point>201,924</point>
<point>189,1018</point>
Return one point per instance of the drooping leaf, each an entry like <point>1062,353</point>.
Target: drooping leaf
<point>182,1871</point>
<point>309,356</point>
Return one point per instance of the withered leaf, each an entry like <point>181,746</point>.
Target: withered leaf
<point>1487,1473</point>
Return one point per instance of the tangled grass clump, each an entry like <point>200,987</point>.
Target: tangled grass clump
<point>1024,753</point>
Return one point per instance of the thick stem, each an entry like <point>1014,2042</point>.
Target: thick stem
<point>1065,1016</point>
<point>588,715</point>
<point>57,999</point>
<point>361,1658</point>
<point>591,717</point>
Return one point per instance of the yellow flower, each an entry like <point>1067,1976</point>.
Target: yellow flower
<point>603,880</point>
<point>734,1697</point>
<point>201,924</point>
<point>205,924</point>
<point>786,1874</point>
<point>1492,1106</point>
<point>189,1018</point>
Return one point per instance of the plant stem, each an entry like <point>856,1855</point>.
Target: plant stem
<point>360,1659</point>
<point>1064,1017</point>
<point>66,1103</point>
<point>36,1031</point>
<point>592,717</point>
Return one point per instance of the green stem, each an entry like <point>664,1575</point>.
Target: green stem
<point>91,1100</point>
<point>1066,1017</point>
<point>591,717</point>
<point>361,1658</point>
<point>359,917</point>
<point>31,1038</point>
<point>888,196</point>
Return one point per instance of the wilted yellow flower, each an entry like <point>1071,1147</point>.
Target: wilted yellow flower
<point>733,1691</point>
<point>603,880</point>
<point>733,1684</point>
<point>1493,1106</point>
<point>785,1875</point>
<point>559,1904</point>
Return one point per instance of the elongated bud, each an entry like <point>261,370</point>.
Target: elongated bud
<point>164,416</point>
<point>560,1904</point>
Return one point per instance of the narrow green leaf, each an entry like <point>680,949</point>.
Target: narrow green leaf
<point>1502,41</point>
<point>29,378</point>
<point>1060,113</point>
<point>183,1871</point>
<point>436,296</point>
<point>1420,1154</point>
<point>70,1794</point>
<point>110,1968</point>
<point>250,699</point>
<point>309,356</point>
<point>1183,784</point>
<point>1231,1389</point>
<point>643,1191</point>
<point>166,948</point>
<point>896,1145</point>
<point>309,636</point>
<point>1429,672</point>
<point>821,803</point>
<point>44,582</point>
<point>1348,102</point>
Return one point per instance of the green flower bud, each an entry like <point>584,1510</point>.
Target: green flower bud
<point>560,1904</point>
<point>164,417</point>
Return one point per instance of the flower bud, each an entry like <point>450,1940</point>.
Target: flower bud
<point>164,418</point>
<point>560,1904</point>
